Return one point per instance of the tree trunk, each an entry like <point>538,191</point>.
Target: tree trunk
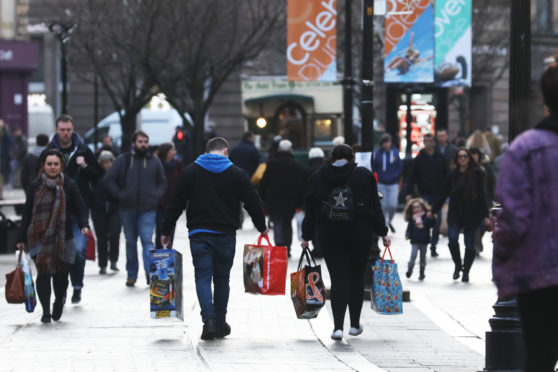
<point>128,125</point>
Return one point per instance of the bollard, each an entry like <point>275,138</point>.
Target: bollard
<point>505,347</point>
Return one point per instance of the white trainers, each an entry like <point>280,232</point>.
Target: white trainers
<point>355,331</point>
<point>337,335</point>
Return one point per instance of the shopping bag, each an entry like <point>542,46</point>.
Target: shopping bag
<point>308,291</point>
<point>387,293</point>
<point>15,292</point>
<point>28,286</point>
<point>162,284</point>
<point>258,174</point>
<point>90,252</point>
<point>265,268</point>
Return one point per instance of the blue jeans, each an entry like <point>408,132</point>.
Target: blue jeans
<point>389,200</point>
<point>212,255</point>
<point>137,224</point>
<point>430,199</point>
<point>416,248</point>
<point>77,269</point>
<point>468,234</point>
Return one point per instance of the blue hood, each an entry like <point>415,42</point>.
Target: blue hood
<point>76,140</point>
<point>213,162</point>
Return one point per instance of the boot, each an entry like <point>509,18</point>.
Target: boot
<point>409,271</point>
<point>76,296</point>
<point>469,258</point>
<point>421,275</point>
<point>456,257</point>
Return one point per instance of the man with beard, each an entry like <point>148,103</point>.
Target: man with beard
<point>137,180</point>
<point>81,166</point>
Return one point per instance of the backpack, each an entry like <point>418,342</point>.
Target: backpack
<point>339,206</point>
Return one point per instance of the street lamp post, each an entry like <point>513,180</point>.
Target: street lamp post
<point>63,31</point>
<point>348,81</point>
<point>367,87</point>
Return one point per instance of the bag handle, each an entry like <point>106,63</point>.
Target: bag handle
<point>387,250</point>
<point>308,254</point>
<point>19,257</point>
<point>266,238</point>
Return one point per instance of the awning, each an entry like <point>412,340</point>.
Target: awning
<point>280,97</point>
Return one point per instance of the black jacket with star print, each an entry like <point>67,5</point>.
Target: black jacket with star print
<point>364,193</point>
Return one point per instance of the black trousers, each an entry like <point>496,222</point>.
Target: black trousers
<point>282,229</point>
<point>59,283</point>
<point>107,228</point>
<point>539,317</point>
<point>346,249</point>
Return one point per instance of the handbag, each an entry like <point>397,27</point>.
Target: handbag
<point>264,268</point>
<point>308,291</point>
<point>387,293</point>
<point>15,293</point>
<point>90,252</point>
<point>28,285</point>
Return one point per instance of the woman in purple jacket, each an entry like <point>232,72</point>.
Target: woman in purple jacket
<point>525,258</point>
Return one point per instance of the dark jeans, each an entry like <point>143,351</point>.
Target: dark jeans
<point>107,228</point>
<point>212,255</point>
<point>430,199</point>
<point>77,269</point>
<point>59,283</point>
<point>282,230</point>
<point>159,216</point>
<point>538,311</point>
<point>468,234</point>
<point>346,250</point>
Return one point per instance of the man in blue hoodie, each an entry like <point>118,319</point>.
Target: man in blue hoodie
<point>81,166</point>
<point>211,190</point>
<point>388,166</point>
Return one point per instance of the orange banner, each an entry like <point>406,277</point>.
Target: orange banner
<point>311,40</point>
<point>405,15</point>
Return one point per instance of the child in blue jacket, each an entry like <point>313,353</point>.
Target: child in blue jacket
<point>418,231</point>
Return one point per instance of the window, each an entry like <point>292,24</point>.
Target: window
<point>545,14</point>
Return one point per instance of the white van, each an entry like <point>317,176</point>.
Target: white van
<point>41,120</point>
<point>158,124</point>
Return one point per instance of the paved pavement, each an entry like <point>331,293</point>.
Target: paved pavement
<point>442,328</point>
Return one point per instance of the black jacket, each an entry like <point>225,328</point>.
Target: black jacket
<point>212,200</point>
<point>468,205</point>
<point>427,173</point>
<point>364,192</point>
<point>246,156</point>
<point>283,184</point>
<point>83,177</point>
<point>75,207</point>
<point>102,201</point>
<point>419,236</point>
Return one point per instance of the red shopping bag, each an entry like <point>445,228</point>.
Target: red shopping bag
<point>265,268</point>
<point>90,253</point>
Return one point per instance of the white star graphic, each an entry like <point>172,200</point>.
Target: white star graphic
<point>340,200</point>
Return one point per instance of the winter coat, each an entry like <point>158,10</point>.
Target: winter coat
<point>172,172</point>
<point>137,182</point>
<point>416,235</point>
<point>282,185</point>
<point>448,152</point>
<point>211,190</point>
<point>83,177</point>
<point>468,205</point>
<point>246,156</point>
<point>388,165</point>
<point>427,173</point>
<point>30,166</point>
<point>102,201</point>
<point>364,193</point>
<point>525,254</point>
<point>75,207</point>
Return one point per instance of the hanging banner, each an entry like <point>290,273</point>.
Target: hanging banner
<point>453,35</point>
<point>409,42</point>
<point>311,40</point>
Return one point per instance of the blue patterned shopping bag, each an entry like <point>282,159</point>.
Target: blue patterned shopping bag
<point>387,294</point>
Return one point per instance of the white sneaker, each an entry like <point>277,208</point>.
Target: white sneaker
<point>337,335</point>
<point>355,331</point>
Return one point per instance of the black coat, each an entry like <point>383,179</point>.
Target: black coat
<point>427,173</point>
<point>246,156</point>
<point>468,205</point>
<point>365,197</point>
<point>283,184</point>
<point>83,177</point>
<point>416,235</point>
<point>75,207</point>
